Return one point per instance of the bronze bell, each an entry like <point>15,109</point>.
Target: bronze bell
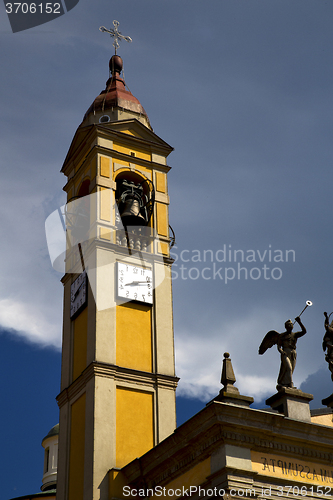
<point>131,215</point>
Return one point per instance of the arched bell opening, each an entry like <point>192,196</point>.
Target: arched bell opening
<point>84,188</point>
<point>135,197</point>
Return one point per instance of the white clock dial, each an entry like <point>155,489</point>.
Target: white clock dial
<point>135,283</point>
<point>78,294</point>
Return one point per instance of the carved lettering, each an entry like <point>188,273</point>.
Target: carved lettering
<point>273,463</point>
<point>280,464</point>
<point>308,472</point>
<point>281,467</point>
<point>301,470</point>
<point>265,463</point>
<point>291,469</point>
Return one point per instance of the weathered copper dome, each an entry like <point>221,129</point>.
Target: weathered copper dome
<point>115,94</point>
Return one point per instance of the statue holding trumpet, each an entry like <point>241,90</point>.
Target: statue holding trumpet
<point>286,345</point>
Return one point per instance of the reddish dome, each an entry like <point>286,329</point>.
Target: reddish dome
<point>115,94</point>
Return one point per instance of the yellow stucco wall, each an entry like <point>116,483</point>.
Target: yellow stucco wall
<point>194,477</point>
<point>322,419</point>
<point>162,219</point>
<point>93,165</point>
<point>160,182</point>
<point>133,336</point>
<point>134,424</point>
<point>163,248</point>
<point>76,456</point>
<point>139,153</point>
<point>78,165</point>
<point>105,233</point>
<point>119,162</point>
<point>80,330</point>
<point>105,166</point>
<point>130,132</point>
<point>105,195</point>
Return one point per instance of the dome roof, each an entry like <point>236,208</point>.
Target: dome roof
<point>115,94</point>
<point>53,432</point>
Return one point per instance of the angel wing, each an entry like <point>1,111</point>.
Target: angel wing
<point>269,340</point>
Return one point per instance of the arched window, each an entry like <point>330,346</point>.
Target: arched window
<point>84,188</point>
<point>135,196</point>
<point>46,460</point>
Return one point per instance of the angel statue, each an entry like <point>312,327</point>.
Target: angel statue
<point>286,344</point>
<point>328,342</point>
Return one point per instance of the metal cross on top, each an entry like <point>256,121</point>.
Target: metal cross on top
<point>116,35</point>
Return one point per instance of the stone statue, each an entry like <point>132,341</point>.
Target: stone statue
<point>286,344</point>
<point>328,343</point>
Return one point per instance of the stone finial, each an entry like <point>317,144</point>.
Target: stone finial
<point>228,376</point>
<point>229,393</point>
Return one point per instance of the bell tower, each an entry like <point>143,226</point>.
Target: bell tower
<point>118,381</point>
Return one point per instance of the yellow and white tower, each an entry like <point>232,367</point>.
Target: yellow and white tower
<point>118,381</point>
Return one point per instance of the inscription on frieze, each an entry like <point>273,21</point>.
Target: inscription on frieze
<point>291,468</point>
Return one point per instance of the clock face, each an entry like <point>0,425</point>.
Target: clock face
<point>78,294</point>
<point>135,283</point>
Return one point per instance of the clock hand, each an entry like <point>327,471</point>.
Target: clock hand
<point>137,283</point>
<point>78,290</point>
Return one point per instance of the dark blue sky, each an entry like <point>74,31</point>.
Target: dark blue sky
<point>242,90</point>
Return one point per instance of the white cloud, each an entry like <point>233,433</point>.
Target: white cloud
<point>199,356</point>
<point>29,322</point>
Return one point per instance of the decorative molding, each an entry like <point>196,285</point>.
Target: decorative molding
<point>162,198</point>
<point>101,181</point>
<point>272,445</point>
<point>132,168</point>
<point>127,376</point>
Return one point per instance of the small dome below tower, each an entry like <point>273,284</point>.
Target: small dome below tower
<point>50,444</point>
<point>53,432</point>
<point>115,102</point>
